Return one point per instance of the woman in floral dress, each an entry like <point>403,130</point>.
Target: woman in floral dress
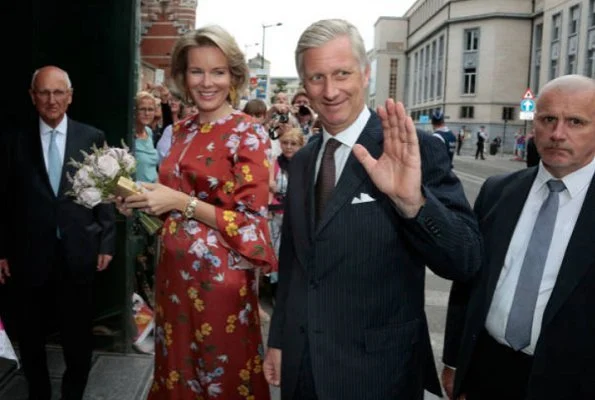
<point>213,191</point>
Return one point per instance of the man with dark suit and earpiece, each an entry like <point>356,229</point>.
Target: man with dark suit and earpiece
<point>51,247</point>
<point>524,328</point>
<point>370,203</point>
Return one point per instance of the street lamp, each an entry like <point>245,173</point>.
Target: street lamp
<point>264,27</point>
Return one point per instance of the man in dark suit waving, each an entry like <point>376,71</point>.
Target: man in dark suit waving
<point>50,247</point>
<point>370,203</point>
<point>525,327</point>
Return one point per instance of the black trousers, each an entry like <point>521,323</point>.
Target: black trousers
<point>306,389</point>
<point>479,151</point>
<point>497,372</point>
<point>66,304</point>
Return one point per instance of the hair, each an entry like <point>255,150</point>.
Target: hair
<point>37,71</point>
<point>301,92</point>
<point>322,32</point>
<point>143,95</point>
<point>255,107</point>
<point>213,36</point>
<point>295,134</point>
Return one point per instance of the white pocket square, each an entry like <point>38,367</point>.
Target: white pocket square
<point>363,198</point>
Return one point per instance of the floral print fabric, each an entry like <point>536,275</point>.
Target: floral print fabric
<point>208,342</point>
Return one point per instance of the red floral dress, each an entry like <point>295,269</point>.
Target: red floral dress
<point>208,343</point>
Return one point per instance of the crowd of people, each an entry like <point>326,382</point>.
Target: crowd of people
<point>342,207</point>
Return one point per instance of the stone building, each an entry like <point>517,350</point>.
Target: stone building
<point>475,59</point>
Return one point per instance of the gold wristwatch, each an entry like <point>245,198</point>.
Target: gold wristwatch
<point>190,207</point>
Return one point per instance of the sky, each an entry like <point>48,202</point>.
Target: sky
<point>244,20</point>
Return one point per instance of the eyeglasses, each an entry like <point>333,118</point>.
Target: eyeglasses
<point>58,93</point>
<point>146,110</point>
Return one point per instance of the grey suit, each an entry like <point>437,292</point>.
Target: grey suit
<point>353,286</point>
<point>563,366</point>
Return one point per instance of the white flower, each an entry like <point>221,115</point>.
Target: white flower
<point>191,227</point>
<point>83,176</point>
<point>90,197</point>
<point>252,142</point>
<point>243,126</point>
<point>214,389</point>
<point>108,166</point>
<point>232,143</point>
<point>128,163</point>
<point>248,233</point>
<point>198,248</point>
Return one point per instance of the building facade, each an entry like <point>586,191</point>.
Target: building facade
<point>475,59</point>
<point>162,23</point>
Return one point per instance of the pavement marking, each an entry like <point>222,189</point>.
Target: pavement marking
<point>470,177</point>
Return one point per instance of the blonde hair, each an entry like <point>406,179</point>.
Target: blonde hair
<point>214,36</point>
<point>295,134</point>
<point>144,95</point>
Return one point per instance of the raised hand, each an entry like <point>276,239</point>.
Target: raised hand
<point>397,172</point>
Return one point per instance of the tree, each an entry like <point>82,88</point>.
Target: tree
<point>280,86</point>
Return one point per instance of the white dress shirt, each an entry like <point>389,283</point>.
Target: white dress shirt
<point>348,137</point>
<point>44,130</point>
<point>571,202</point>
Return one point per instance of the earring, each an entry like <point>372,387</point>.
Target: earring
<point>233,95</point>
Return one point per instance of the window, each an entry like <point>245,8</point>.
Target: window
<point>469,81</point>
<point>553,69</point>
<point>592,13</point>
<point>467,112</point>
<point>440,64</point>
<point>571,65</point>
<point>573,25</point>
<point>433,71</point>
<point>471,39</point>
<point>420,77</point>
<point>537,56</point>
<point>427,74</point>
<point>507,113</point>
<point>556,25</point>
<point>392,79</point>
<point>415,75</point>
<point>590,70</point>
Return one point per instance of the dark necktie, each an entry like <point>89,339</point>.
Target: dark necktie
<point>326,176</point>
<point>520,319</point>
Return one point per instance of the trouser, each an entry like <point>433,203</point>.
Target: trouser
<point>305,390</point>
<point>497,372</point>
<point>68,304</point>
<point>479,151</point>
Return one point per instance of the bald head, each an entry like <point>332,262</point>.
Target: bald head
<point>570,83</point>
<point>50,69</point>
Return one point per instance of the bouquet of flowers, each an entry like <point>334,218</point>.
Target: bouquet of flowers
<point>104,174</point>
<point>6,350</point>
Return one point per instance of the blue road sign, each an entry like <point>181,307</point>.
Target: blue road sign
<point>528,105</point>
<point>424,119</point>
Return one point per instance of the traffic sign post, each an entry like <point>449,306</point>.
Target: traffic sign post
<point>527,106</point>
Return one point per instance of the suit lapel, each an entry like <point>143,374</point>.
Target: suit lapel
<point>37,157</point>
<point>353,173</point>
<point>578,258</point>
<point>71,149</point>
<point>514,197</point>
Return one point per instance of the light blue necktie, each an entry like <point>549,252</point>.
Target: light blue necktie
<point>520,319</point>
<point>54,162</point>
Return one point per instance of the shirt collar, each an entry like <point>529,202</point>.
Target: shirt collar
<point>575,182</point>
<point>61,128</point>
<point>349,136</point>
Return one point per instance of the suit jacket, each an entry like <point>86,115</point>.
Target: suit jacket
<point>563,366</point>
<point>33,212</point>
<point>532,155</point>
<point>353,286</point>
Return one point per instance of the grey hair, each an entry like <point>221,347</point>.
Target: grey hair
<point>66,77</point>
<point>322,32</point>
